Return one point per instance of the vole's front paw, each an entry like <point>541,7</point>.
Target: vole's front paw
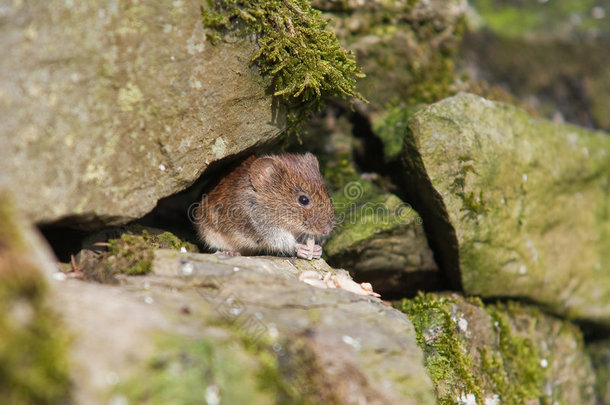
<point>305,252</point>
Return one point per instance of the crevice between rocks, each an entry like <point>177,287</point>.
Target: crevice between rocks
<point>414,187</point>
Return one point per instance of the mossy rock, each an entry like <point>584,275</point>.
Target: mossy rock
<point>516,206</point>
<point>136,104</point>
<point>508,354</point>
<point>406,48</point>
<point>552,55</point>
<point>239,330</point>
<point>297,52</point>
<point>33,342</point>
<point>380,239</point>
<point>129,250</point>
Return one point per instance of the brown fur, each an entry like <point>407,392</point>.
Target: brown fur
<point>255,208</point>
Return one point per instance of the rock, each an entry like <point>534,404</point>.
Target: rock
<point>551,55</point>
<point>492,354</point>
<point>517,206</point>
<point>202,323</point>
<point>33,343</point>
<point>381,240</point>
<point>106,108</point>
<point>406,48</point>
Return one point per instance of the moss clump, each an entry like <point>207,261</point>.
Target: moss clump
<point>130,254</point>
<point>168,240</point>
<point>303,58</point>
<point>133,254</point>
<point>33,347</point>
<point>448,365</point>
<point>515,370</point>
<point>503,363</point>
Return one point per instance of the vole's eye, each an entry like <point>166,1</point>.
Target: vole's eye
<point>303,200</point>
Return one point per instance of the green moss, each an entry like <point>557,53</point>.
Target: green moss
<point>33,346</point>
<point>508,367</point>
<point>168,240</point>
<point>130,254</point>
<point>133,253</point>
<point>446,362</point>
<point>515,370</point>
<point>361,219</point>
<point>303,58</point>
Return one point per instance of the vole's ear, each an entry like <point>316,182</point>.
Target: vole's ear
<point>262,171</point>
<point>311,159</point>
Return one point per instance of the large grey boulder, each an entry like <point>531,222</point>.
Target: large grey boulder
<point>241,330</point>
<point>107,107</point>
<point>518,206</point>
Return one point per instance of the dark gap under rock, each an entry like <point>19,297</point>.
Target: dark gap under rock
<point>172,213</point>
<point>63,240</point>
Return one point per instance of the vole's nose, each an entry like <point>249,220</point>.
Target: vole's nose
<point>326,230</point>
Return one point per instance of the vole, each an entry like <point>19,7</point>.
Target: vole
<point>268,204</point>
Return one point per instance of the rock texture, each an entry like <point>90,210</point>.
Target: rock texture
<point>520,206</point>
<point>106,107</point>
<point>296,341</point>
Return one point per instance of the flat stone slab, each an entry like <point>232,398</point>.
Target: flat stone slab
<point>329,345</point>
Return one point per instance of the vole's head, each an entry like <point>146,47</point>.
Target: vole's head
<point>293,194</point>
